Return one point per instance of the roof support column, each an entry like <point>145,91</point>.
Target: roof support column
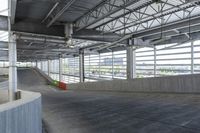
<point>12,58</point>
<point>49,67</point>
<point>131,66</point>
<point>81,66</point>
<point>112,65</point>
<point>134,63</point>
<point>36,63</point>
<point>192,57</point>
<point>60,68</point>
<point>42,65</point>
<point>155,64</point>
<point>12,67</point>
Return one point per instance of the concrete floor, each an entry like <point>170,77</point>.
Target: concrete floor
<point>113,112</point>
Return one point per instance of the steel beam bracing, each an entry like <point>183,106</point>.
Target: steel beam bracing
<point>156,30</point>
<point>102,11</point>
<point>142,15</point>
<point>148,17</point>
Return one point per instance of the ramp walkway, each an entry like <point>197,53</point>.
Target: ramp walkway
<point>76,111</point>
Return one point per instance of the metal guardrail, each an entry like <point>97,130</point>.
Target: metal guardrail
<point>4,85</point>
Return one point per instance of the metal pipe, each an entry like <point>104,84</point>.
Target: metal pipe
<point>116,42</point>
<point>40,39</point>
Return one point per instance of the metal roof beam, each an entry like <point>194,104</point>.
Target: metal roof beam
<point>57,10</point>
<point>168,27</point>
<point>35,28</point>
<point>89,34</point>
<point>181,39</point>
<point>140,22</point>
<point>57,31</point>
<point>130,11</point>
<point>104,10</point>
<point>52,9</point>
<point>184,30</point>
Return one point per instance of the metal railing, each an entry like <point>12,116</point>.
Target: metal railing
<point>169,59</point>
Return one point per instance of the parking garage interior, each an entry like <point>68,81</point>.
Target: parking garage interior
<point>99,66</point>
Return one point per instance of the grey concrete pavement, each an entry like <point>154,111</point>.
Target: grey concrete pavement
<point>113,112</point>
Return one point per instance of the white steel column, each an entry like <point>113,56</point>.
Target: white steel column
<point>36,63</point>
<point>49,67</point>
<point>12,58</point>
<point>99,67</point>
<point>130,62</point>
<point>192,57</point>
<point>134,64</point>
<point>60,69</point>
<point>112,65</point>
<point>12,68</point>
<point>81,66</point>
<point>154,61</point>
<point>41,62</point>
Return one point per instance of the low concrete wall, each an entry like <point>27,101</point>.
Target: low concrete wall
<point>22,116</point>
<point>171,84</point>
<point>48,79</point>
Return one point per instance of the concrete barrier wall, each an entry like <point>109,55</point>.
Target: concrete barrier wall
<point>22,116</point>
<point>175,84</point>
<point>48,78</point>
